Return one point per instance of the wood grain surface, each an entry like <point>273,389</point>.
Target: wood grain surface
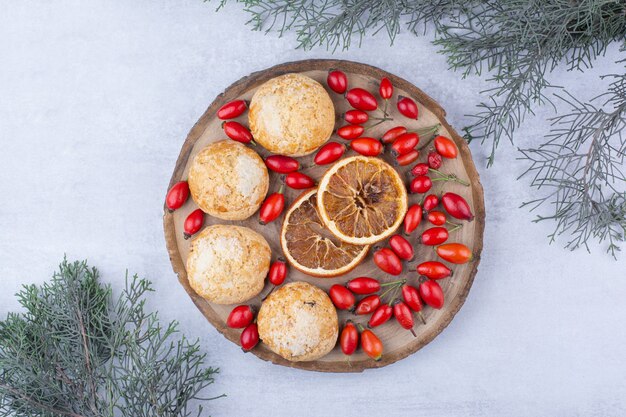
<point>398,342</point>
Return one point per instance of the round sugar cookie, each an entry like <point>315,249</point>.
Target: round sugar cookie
<point>291,115</point>
<point>298,322</point>
<point>228,180</point>
<point>228,264</point>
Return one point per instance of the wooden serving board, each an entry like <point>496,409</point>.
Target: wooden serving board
<point>398,343</point>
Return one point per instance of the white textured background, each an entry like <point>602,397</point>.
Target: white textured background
<point>96,99</point>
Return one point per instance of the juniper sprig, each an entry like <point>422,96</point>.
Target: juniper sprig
<point>580,169</point>
<point>75,351</point>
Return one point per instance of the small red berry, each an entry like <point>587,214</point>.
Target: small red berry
<point>419,170</point>
<point>420,184</point>
<point>278,272</point>
<point>337,81</point>
<point>407,107</point>
<point>249,337</point>
<point>193,223</point>
<point>240,317</point>
<point>386,88</point>
<point>434,160</point>
<point>177,195</point>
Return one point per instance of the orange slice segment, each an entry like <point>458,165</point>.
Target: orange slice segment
<point>362,200</point>
<point>309,247</point>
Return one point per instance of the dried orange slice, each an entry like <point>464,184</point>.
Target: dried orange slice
<point>309,247</point>
<point>362,200</point>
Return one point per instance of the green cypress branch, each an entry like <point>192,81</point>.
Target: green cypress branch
<point>75,351</point>
<point>520,42</point>
<point>581,165</point>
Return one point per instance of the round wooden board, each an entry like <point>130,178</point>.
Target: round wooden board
<point>398,342</point>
